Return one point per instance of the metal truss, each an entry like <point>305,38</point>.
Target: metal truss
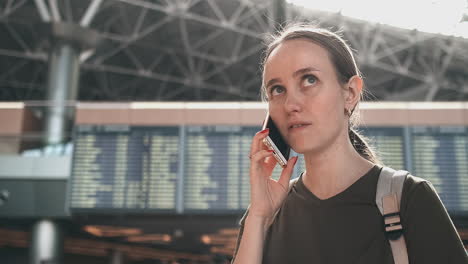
<point>209,50</point>
<point>403,65</point>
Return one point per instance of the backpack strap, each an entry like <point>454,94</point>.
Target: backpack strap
<point>387,198</point>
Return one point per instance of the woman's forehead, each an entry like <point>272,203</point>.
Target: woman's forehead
<point>292,55</point>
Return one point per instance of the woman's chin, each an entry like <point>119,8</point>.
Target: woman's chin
<point>300,149</point>
<point>303,149</point>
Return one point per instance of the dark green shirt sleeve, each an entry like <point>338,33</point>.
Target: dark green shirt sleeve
<point>430,234</point>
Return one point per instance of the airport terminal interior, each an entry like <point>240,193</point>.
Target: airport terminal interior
<point>125,125</point>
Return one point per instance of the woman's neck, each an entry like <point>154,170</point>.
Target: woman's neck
<point>334,170</point>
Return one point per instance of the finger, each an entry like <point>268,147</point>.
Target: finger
<point>287,172</point>
<point>270,164</point>
<point>257,164</point>
<point>260,156</point>
<point>257,141</point>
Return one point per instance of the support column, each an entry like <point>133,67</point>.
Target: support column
<point>68,40</point>
<point>62,90</point>
<point>117,257</point>
<point>46,243</point>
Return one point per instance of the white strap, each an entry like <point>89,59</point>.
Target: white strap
<point>399,250</point>
<point>387,198</point>
<point>390,181</point>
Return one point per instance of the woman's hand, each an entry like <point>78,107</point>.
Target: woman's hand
<point>266,194</point>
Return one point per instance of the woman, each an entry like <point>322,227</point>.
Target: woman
<point>312,85</point>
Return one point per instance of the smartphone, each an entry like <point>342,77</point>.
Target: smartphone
<point>274,141</point>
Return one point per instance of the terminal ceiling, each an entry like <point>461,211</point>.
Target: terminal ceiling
<point>210,50</point>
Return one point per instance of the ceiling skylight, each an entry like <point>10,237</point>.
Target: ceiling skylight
<point>433,16</point>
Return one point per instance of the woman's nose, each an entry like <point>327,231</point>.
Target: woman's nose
<point>293,102</point>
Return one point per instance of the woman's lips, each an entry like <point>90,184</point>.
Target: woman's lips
<point>298,127</point>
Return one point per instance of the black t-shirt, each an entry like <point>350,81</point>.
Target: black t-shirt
<point>348,227</point>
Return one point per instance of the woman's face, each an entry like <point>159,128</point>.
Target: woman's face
<point>306,100</point>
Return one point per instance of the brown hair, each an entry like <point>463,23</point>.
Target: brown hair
<point>345,66</point>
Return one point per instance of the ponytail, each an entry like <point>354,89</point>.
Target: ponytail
<point>362,147</point>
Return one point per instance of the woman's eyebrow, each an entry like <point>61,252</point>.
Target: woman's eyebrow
<point>304,70</point>
<point>272,81</point>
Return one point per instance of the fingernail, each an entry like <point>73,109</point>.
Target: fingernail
<point>295,161</point>
<point>270,150</point>
<point>265,130</point>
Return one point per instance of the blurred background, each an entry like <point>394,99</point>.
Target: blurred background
<point>125,125</point>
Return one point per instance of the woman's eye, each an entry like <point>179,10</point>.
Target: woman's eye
<point>275,90</point>
<point>309,80</point>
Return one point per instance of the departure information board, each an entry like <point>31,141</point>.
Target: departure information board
<point>440,155</point>
<point>216,167</point>
<point>197,169</point>
<point>387,142</point>
<point>122,167</point>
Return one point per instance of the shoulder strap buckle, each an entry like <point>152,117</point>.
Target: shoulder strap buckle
<point>391,216</point>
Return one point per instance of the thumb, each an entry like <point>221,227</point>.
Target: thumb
<point>287,172</point>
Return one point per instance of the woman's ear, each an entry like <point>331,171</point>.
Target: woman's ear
<point>352,92</point>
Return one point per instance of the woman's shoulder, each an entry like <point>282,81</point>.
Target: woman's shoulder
<point>418,193</point>
<point>416,190</point>
<point>411,182</point>
<point>414,182</point>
